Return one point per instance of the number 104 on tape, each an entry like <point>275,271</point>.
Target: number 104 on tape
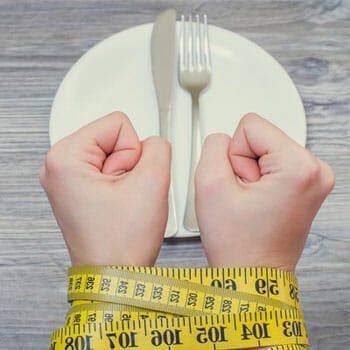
<point>165,308</point>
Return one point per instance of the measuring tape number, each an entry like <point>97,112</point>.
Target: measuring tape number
<point>174,308</point>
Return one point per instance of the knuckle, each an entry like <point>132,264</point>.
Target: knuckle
<point>56,160</point>
<point>118,115</point>
<point>328,177</point>
<point>249,118</point>
<point>212,140</point>
<point>312,174</point>
<point>308,172</point>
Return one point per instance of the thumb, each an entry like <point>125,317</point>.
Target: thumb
<point>153,166</point>
<point>214,167</point>
<point>253,144</point>
<point>109,145</point>
<point>116,144</point>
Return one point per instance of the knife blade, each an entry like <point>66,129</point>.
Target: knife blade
<point>163,57</point>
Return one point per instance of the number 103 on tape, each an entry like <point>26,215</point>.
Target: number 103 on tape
<point>116,308</point>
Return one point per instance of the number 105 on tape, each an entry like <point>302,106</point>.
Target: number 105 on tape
<point>236,331</point>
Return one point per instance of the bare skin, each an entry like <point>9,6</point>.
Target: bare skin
<point>257,194</point>
<point>108,192</point>
<point>262,191</point>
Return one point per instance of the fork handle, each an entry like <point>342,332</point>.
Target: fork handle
<point>190,218</point>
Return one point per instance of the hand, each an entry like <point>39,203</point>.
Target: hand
<point>256,196</point>
<point>109,192</point>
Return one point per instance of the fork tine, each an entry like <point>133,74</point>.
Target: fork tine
<point>194,54</point>
<point>207,60</point>
<point>182,44</point>
<point>190,43</point>
<point>198,44</point>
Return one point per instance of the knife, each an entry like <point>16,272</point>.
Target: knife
<point>163,54</point>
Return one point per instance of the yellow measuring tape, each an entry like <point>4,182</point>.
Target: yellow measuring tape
<point>174,308</point>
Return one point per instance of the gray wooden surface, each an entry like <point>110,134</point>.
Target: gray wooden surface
<point>41,39</point>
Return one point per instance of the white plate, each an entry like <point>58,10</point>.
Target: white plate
<point>116,75</point>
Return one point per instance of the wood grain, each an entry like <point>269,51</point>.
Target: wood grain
<point>41,39</point>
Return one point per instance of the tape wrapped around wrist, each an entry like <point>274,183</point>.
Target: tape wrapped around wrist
<point>181,308</point>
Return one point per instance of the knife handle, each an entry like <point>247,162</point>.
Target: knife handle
<point>164,131</point>
<point>171,227</point>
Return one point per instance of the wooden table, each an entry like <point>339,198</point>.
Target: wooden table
<point>40,40</point>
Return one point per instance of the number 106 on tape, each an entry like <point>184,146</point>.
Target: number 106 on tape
<point>236,331</point>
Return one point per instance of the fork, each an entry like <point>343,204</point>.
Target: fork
<point>194,76</point>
